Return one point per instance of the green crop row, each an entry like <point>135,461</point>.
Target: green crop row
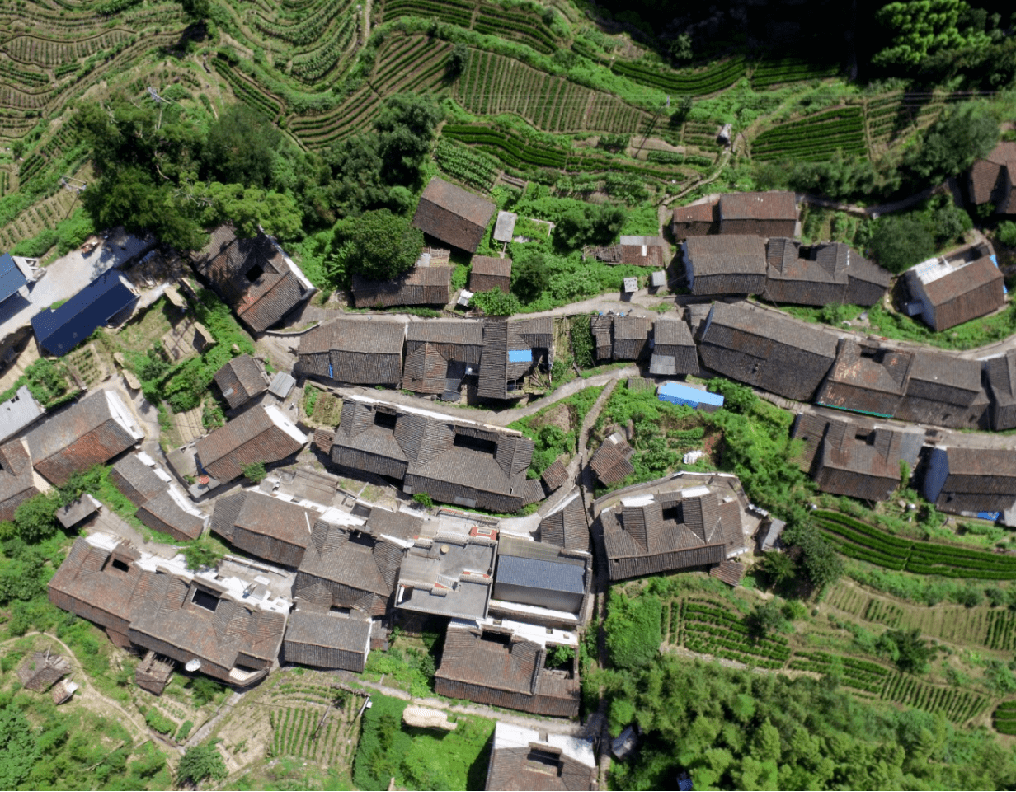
<point>715,78</point>
<point>245,92</point>
<point>770,73</point>
<point>958,706</point>
<point>475,168</point>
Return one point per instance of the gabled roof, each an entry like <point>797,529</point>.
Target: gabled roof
<point>453,215</point>
<point>352,557</point>
<point>695,213</point>
<point>985,173</point>
<point>972,290</point>
<point>429,285</point>
<point>253,276</point>
<point>730,254</point>
<point>612,461</point>
<point>17,479</point>
<point>866,379</point>
<point>758,206</point>
<point>241,379</point>
<point>525,759</point>
<point>566,526</point>
<point>59,331</point>
<point>491,266</point>
<point>538,566</point>
<point>17,412</point>
<point>137,481</point>
<point>329,631</point>
<point>260,436</point>
<point>11,276</point>
<point>643,251</point>
<point>361,351</point>
<point>446,331</point>
<point>91,432</point>
<point>257,523</point>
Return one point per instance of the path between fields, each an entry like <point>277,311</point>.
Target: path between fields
<point>556,725</point>
<point>88,693</point>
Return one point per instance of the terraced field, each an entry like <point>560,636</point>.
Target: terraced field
<point>814,137</point>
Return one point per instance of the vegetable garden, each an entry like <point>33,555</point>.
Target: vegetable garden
<point>855,539</point>
<point>1004,718</point>
<point>684,82</point>
<point>493,84</point>
<point>707,629</point>
<point>814,137</point>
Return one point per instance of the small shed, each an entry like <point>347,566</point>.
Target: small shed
<point>42,670</point>
<point>680,393</point>
<point>63,691</point>
<point>729,572</point>
<point>489,273</point>
<point>153,673</point>
<point>769,539</point>
<point>658,279</point>
<point>78,510</point>
<point>504,228</point>
<point>631,285</point>
<point>282,383</point>
<point>556,476</point>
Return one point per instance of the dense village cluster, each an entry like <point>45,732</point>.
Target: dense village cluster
<point>321,584</point>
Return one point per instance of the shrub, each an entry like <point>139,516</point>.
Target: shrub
<point>255,473</point>
<point>424,500</point>
<point>199,763</point>
<point>634,629</point>
<point>202,554</point>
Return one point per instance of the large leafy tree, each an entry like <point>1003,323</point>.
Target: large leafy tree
<point>960,136</point>
<point>241,147</point>
<point>199,763</point>
<point>921,28</point>
<point>382,245</point>
<point>898,243</point>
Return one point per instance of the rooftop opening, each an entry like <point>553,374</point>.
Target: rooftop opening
<point>361,538</point>
<point>205,600</point>
<point>673,512</point>
<point>385,420</point>
<point>504,639</point>
<point>341,611</point>
<point>255,272</point>
<point>121,566</point>
<point>543,762</point>
<point>481,444</point>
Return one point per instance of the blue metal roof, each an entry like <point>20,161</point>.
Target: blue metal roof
<point>520,356</point>
<point>685,394</point>
<point>59,331</point>
<point>11,278</point>
<point>540,574</point>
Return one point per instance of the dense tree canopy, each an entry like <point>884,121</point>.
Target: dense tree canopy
<point>900,242</point>
<point>961,135</point>
<point>383,245</point>
<point>920,28</point>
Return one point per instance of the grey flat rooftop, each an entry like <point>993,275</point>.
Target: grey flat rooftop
<point>504,229</point>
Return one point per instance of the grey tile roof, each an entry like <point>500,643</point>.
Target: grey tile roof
<point>241,379</point>
<point>517,566</point>
<point>17,412</point>
<point>360,351</point>
<point>453,215</point>
<point>262,435</point>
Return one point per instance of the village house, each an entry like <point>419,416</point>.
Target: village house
<point>88,433</point>
<point>18,479</point>
<point>241,380</point>
<point>358,351</point>
<point>866,379</point>
<point>556,475</point>
<point>151,603</point>
<point>673,349</point>
<point>440,355</point>
<point>697,219</point>
<point>525,759</point>
<point>450,459</point>
<point>274,529</point>
<point>489,272</point>
<point>993,179</point>
<point>540,583</point>
<point>253,276</point>
<point>631,337</point>
<point>731,264</point>
<point>948,292</point>
<point>12,279</point>
<point>971,481</point>
<point>108,299</point>
<point>602,327</point>
<point>453,215</point>
<point>945,390</point>
<point>766,350</point>
<point>663,531</point>
<point>18,412</point>
<point>505,666</point>
<point>823,274</point>
<point>612,461</point>
<point>565,526</point>
<point>429,282</point>
<point>1001,375</point>
<point>162,505</point>
<point>449,575</point>
<point>260,436</point>
<point>765,214</point>
<point>856,459</point>
<point>512,351</point>
<point>331,641</point>
<point>639,251</point>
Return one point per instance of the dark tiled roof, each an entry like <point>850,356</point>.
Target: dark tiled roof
<point>270,528</point>
<point>758,206</point>
<point>167,514</point>
<point>460,332</point>
<point>420,286</point>
<point>327,631</point>
<point>966,293</point>
<point>730,572</point>
<point>360,351</point>
<point>86,434</point>
<point>695,213</point>
<point>252,438</point>
<point>830,272</point>
<point>489,273</point>
<point>531,768</point>
<point>671,531</point>
<point>632,247</point>
<point>17,479</point>
<point>733,254</point>
<point>631,337</point>
<point>767,350</point>
<point>241,379</point>
<point>11,277</point>
<point>945,391</point>
<point>1001,373</point>
<point>136,481</point>
<point>867,379</point>
<point>988,176</point>
<point>612,461</point>
<point>252,276</point>
<point>567,527</point>
<point>453,215</point>
<point>556,475</point>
